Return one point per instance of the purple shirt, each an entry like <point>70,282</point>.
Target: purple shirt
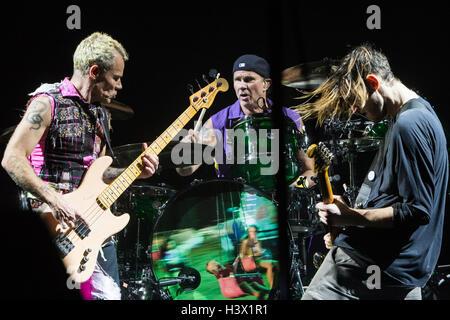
<point>223,120</point>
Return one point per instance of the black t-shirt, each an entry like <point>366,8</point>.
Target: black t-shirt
<point>412,179</point>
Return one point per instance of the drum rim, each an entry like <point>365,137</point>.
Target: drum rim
<point>178,193</point>
<point>139,184</point>
<point>250,117</point>
<point>258,116</point>
<point>163,209</point>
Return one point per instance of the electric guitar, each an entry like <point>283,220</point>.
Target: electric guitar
<point>79,246</point>
<point>322,161</point>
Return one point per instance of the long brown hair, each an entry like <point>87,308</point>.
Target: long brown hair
<point>346,86</point>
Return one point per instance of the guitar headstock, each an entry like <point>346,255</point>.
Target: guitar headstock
<point>322,156</point>
<point>205,96</point>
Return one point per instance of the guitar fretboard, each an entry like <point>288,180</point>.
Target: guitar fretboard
<point>130,174</point>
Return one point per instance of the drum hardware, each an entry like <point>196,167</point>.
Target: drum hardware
<point>196,182</point>
<point>296,268</point>
<point>240,180</point>
<point>348,140</point>
<point>147,288</point>
<point>143,287</point>
<point>302,212</point>
<point>437,287</point>
<point>119,110</point>
<point>144,203</point>
<point>188,279</point>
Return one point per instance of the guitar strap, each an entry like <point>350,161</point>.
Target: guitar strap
<point>103,117</point>
<point>374,171</point>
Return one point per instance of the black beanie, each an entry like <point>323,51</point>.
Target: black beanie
<point>251,62</point>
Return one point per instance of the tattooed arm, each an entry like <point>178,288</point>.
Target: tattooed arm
<point>204,136</point>
<point>28,132</point>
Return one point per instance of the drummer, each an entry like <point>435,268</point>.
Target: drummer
<point>251,80</point>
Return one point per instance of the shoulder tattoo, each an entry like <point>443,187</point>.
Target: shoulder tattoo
<point>34,114</point>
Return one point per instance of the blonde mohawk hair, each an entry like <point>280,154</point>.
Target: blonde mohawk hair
<point>97,49</point>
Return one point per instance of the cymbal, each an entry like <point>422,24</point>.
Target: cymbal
<point>126,154</point>
<point>363,144</point>
<point>119,110</point>
<point>309,75</point>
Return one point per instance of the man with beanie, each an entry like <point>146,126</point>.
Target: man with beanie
<point>251,81</point>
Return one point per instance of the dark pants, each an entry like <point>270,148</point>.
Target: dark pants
<point>105,279</point>
<point>341,278</point>
<point>110,266</point>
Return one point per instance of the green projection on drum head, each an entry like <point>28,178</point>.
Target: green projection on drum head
<point>225,230</point>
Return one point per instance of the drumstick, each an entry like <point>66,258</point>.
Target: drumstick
<point>199,121</point>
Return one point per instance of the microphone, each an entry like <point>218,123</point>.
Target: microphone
<point>264,104</point>
<point>188,279</point>
<point>175,280</point>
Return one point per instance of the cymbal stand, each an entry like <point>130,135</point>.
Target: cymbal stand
<point>351,190</point>
<point>296,284</point>
<point>136,258</point>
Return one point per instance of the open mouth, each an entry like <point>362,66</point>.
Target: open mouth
<point>244,96</point>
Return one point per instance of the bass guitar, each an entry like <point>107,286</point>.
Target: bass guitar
<point>79,246</point>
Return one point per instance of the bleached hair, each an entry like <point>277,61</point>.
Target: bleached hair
<point>97,49</point>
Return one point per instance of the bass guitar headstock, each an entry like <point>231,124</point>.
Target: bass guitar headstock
<point>205,96</point>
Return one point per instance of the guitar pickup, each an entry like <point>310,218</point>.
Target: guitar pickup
<point>63,244</point>
<point>82,230</point>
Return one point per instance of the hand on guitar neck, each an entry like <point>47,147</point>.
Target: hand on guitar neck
<point>332,210</point>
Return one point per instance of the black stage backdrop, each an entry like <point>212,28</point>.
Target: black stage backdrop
<point>171,45</point>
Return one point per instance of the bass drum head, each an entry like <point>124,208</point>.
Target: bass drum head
<point>207,223</point>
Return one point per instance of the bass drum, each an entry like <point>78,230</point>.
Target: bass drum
<point>143,202</point>
<point>203,226</point>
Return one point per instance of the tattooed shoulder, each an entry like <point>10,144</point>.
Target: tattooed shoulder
<point>35,113</point>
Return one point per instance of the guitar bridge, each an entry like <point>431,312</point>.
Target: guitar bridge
<point>63,244</point>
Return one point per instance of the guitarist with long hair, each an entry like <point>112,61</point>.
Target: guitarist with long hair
<point>64,129</point>
<point>390,244</point>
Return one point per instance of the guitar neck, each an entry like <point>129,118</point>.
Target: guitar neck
<point>325,187</point>
<point>130,174</point>
<point>327,198</point>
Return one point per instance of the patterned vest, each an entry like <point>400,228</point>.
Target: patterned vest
<point>74,140</point>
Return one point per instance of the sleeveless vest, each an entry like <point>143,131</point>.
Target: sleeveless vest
<point>75,130</point>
